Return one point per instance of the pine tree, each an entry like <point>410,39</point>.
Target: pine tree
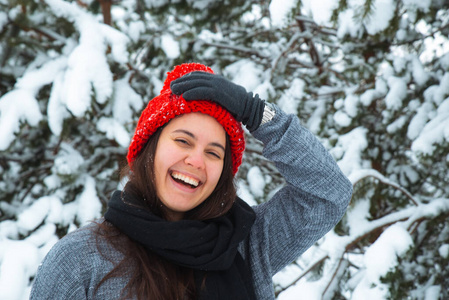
<point>370,81</point>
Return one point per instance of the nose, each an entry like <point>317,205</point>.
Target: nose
<point>195,159</point>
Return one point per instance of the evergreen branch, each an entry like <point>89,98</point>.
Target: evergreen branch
<point>235,48</point>
<point>304,273</point>
<point>106,11</point>
<point>334,274</point>
<point>135,71</point>
<point>314,54</point>
<point>315,26</point>
<point>384,180</point>
<point>51,35</point>
<point>422,37</point>
<point>289,45</point>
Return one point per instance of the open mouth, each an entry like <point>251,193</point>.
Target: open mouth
<point>185,180</point>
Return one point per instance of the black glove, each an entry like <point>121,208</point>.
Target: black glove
<point>245,107</point>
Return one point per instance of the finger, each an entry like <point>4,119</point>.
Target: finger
<point>194,75</point>
<point>208,79</point>
<point>181,87</point>
<point>200,93</point>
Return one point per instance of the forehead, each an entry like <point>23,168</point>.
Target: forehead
<point>199,124</point>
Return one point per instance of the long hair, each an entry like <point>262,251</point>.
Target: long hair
<point>151,276</point>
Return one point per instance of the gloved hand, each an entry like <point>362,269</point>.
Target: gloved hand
<point>245,107</point>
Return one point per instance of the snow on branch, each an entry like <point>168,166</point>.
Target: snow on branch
<point>87,65</point>
<point>392,243</point>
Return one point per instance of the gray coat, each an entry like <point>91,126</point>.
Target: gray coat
<point>311,203</point>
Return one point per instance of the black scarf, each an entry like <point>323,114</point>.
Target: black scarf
<point>208,247</point>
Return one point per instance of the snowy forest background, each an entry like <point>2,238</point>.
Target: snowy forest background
<point>369,77</point>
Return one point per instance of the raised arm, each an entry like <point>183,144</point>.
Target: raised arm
<point>307,207</point>
<point>312,202</point>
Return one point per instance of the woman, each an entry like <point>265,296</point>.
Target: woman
<point>178,230</point>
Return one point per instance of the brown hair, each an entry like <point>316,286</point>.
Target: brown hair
<point>151,276</point>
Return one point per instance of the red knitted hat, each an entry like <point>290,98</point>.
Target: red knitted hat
<point>166,106</point>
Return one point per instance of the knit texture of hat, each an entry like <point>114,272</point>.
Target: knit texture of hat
<point>166,106</point>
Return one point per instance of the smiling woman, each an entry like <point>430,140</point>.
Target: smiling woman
<point>188,162</point>
<point>177,230</point>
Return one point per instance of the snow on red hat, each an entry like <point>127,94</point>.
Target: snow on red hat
<point>167,106</point>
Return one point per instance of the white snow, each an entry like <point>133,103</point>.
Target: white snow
<point>291,99</point>
<point>397,124</point>
<point>379,20</point>
<point>244,193</point>
<point>200,4</point>
<point>444,60</point>
<point>342,118</point>
<point>34,215</point>
<point>8,229</point>
<point>280,10</point>
<point>397,93</point>
<point>358,214</point>
<point>352,144</point>
<point>436,131</point>
<point>56,110</point>
<point>381,256</point>
<point>209,36</point>
<point>19,260</point>
<point>20,104</point>
<point>433,292</point>
<point>419,74</point>
<point>73,76</point>
<point>116,40</point>
<point>316,118</point>
<point>87,66</point>
<point>245,73</point>
<point>3,19</point>
<point>440,92</point>
<point>350,104</point>
<point>399,64</point>
<point>444,251</point>
<point>419,121</point>
<point>68,160</point>
<point>422,5</point>
<point>126,100</point>
<point>135,30</point>
<point>253,15</point>
<point>114,131</point>
<point>287,276</point>
<point>82,71</point>
<point>15,107</point>
<point>42,234</point>
<point>256,181</point>
<point>307,290</point>
<point>55,210</point>
<point>89,205</point>
<point>347,25</point>
<point>170,46</point>
<point>320,10</point>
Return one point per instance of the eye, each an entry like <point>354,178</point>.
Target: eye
<point>214,154</point>
<point>182,142</point>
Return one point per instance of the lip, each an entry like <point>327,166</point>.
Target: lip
<point>183,187</point>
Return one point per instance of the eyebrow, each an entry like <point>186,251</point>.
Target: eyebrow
<point>194,137</point>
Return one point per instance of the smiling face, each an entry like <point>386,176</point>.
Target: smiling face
<point>188,162</point>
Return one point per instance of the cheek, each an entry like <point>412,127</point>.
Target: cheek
<point>161,158</point>
<point>215,172</point>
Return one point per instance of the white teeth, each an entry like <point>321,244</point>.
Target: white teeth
<point>186,179</point>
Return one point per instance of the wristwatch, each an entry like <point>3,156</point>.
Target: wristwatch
<point>268,113</point>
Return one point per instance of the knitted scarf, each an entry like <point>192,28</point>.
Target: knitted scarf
<point>208,247</point>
